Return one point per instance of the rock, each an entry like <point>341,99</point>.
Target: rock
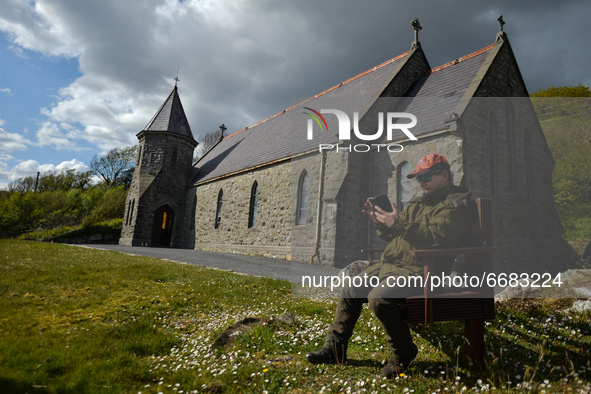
<point>583,292</point>
<point>575,283</point>
<point>355,268</point>
<point>287,318</point>
<point>281,359</point>
<point>581,306</point>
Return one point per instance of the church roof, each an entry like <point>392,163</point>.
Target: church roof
<point>171,117</point>
<point>432,98</point>
<point>434,95</point>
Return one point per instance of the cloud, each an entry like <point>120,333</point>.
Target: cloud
<point>241,61</point>
<point>38,26</point>
<point>10,142</point>
<point>50,135</point>
<point>31,167</point>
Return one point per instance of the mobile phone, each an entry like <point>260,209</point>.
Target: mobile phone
<point>381,201</point>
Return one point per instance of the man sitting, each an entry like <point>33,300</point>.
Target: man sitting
<point>439,218</point>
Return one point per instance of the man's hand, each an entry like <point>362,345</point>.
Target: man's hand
<point>379,216</point>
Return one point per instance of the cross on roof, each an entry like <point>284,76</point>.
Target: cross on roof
<point>416,26</point>
<point>501,22</point>
<point>176,79</point>
<point>501,34</point>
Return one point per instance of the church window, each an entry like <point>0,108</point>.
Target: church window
<point>218,213</point>
<point>194,213</point>
<point>302,206</point>
<point>494,132</point>
<point>254,200</point>
<point>128,210</point>
<point>175,154</point>
<point>129,217</point>
<point>511,138</point>
<point>139,156</point>
<point>529,177</point>
<point>404,185</point>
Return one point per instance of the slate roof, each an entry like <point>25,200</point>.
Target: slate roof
<point>434,95</point>
<point>171,117</point>
<point>431,98</point>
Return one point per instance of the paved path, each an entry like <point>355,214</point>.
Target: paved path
<point>257,266</point>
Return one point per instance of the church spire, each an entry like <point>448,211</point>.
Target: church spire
<point>171,116</point>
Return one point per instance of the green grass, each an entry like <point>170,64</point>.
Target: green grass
<point>77,320</point>
<point>110,228</point>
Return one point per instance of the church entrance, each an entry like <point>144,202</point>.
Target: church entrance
<point>162,230</point>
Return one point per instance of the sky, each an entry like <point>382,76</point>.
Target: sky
<point>78,78</point>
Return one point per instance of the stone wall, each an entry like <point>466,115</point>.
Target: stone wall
<point>517,175</point>
<point>271,235</point>
<point>158,180</point>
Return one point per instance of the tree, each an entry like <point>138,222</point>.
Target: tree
<point>64,180</point>
<point>564,91</point>
<point>23,184</point>
<point>56,180</point>
<point>207,141</point>
<point>115,167</point>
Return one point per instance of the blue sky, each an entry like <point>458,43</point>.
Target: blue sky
<point>78,78</point>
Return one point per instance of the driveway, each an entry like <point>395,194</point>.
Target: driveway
<point>249,265</point>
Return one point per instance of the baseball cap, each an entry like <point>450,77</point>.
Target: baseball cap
<point>430,163</point>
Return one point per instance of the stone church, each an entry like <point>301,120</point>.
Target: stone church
<point>272,190</point>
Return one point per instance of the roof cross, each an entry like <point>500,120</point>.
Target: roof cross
<point>501,34</point>
<point>416,26</point>
<point>176,79</point>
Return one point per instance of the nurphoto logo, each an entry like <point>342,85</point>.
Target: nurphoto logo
<point>344,132</point>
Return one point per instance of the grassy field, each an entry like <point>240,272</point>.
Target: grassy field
<point>77,320</point>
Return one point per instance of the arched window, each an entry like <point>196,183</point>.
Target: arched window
<point>511,141</point>
<point>128,211</point>
<point>194,213</point>
<point>130,207</point>
<point>529,177</point>
<point>218,213</point>
<point>254,200</point>
<point>404,185</point>
<point>302,207</point>
<point>493,127</point>
<point>175,154</point>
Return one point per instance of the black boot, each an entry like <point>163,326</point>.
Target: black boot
<point>329,354</point>
<point>396,366</point>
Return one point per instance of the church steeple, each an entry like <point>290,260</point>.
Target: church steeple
<point>155,205</point>
<point>171,117</point>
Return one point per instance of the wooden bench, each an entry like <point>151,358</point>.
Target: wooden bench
<point>473,305</point>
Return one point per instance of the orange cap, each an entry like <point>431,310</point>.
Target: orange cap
<point>429,164</point>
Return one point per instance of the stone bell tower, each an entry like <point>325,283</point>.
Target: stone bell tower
<point>156,200</point>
